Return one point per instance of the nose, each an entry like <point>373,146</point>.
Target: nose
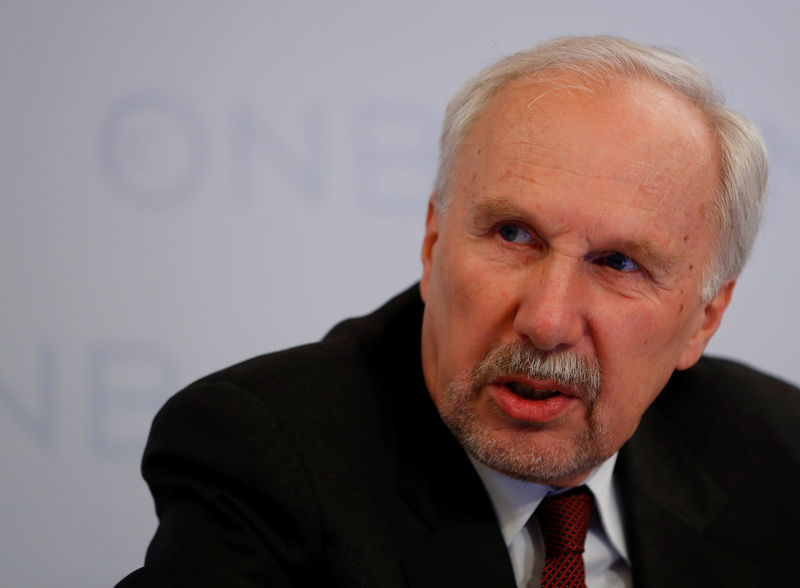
<point>551,312</point>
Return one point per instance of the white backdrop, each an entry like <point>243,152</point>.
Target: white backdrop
<point>187,184</point>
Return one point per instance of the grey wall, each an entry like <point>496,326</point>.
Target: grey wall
<point>186,184</point>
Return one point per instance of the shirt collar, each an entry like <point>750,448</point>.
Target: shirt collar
<point>515,500</point>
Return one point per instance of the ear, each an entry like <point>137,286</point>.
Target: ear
<point>431,236</point>
<point>712,316</point>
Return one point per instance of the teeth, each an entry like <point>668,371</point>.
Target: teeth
<point>521,389</point>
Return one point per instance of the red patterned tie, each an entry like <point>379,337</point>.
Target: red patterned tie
<point>564,520</point>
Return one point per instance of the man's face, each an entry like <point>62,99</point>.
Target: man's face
<point>561,285</point>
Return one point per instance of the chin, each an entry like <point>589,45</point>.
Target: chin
<point>522,454</point>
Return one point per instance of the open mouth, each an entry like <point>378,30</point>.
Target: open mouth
<point>530,393</point>
<point>533,401</point>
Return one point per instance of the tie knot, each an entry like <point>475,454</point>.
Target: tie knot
<point>564,520</point>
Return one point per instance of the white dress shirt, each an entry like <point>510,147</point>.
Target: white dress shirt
<point>605,555</point>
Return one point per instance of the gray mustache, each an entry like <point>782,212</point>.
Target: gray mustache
<point>518,360</point>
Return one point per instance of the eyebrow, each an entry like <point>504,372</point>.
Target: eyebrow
<point>491,209</point>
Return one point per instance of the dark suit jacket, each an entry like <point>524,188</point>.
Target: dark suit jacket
<point>328,465</point>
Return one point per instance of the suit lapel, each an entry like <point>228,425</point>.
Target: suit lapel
<point>669,503</point>
<point>462,545</point>
<point>460,551</point>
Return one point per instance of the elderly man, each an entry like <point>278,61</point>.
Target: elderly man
<point>536,411</point>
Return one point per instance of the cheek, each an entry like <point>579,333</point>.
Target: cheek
<point>643,335</point>
<point>472,286</point>
<point>638,352</point>
<point>635,368</point>
<point>622,335</point>
<point>471,307</point>
<point>637,355</point>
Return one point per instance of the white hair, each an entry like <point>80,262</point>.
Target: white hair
<point>742,188</point>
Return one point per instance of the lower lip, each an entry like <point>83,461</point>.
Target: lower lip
<point>532,411</point>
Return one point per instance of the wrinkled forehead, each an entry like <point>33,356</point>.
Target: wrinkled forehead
<point>636,131</point>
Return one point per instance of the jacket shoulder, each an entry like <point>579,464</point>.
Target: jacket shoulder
<point>354,346</point>
<point>254,462</point>
<point>707,477</point>
<point>735,403</point>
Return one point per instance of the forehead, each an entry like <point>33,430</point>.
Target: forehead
<point>638,132</point>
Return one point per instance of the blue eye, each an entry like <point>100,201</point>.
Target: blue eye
<point>618,261</point>
<point>515,234</point>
